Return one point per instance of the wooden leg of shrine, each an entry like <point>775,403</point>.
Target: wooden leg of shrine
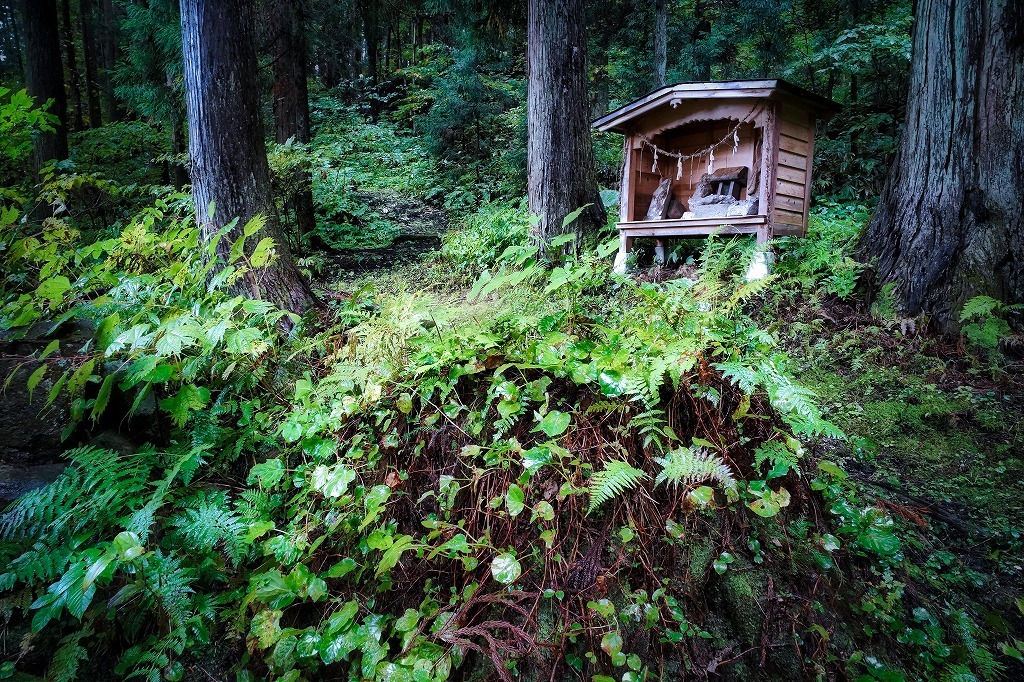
<point>625,245</point>
<point>659,251</point>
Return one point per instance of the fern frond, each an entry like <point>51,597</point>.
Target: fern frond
<point>98,485</point>
<point>210,522</point>
<point>64,663</point>
<point>689,466</point>
<point>777,454</point>
<point>616,478</point>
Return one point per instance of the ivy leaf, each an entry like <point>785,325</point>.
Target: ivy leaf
<point>554,423</point>
<point>611,643</point>
<point>881,541</point>
<point>268,474</point>
<point>393,554</point>
<point>514,500</point>
<point>611,382</point>
<point>506,569</point>
<point>334,481</point>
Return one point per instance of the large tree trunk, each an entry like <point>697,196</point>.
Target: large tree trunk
<point>226,145</point>
<point>660,42</point>
<point>44,79</point>
<point>291,98</point>
<point>560,157</point>
<point>92,102</point>
<point>950,225</point>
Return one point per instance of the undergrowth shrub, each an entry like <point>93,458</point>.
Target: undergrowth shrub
<point>823,261</point>
<point>482,237</point>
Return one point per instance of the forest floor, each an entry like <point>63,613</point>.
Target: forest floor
<point>418,229</point>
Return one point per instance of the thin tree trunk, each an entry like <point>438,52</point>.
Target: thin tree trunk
<point>74,84</point>
<point>291,99</point>
<point>44,79</point>
<point>228,153</point>
<point>109,44</point>
<point>371,34</point>
<point>560,156</point>
<point>949,224</point>
<point>660,42</point>
<point>86,18</point>
<point>12,37</point>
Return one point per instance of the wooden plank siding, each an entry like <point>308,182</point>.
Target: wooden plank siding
<point>792,186</point>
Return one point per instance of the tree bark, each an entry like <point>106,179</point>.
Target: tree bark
<point>291,99</point>
<point>92,102</point>
<point>949,224</point>
<point>660,42</point>
<point>68,46</point>
<point>560,157</point>
<point>226,145</point>
<point>44,79</point>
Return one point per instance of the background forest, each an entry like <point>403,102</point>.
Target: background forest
<point>371,419</point>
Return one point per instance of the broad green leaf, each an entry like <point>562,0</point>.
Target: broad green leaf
<point>53,289</point>
<point>554,423</point>
<point>50,349</point>
<point>188,398</point>
<point>268,474</point>
<point>506,569</point>
<point>514,500</point>
<point>569,219</point>
<point>34,379</point>
<point>103,397</point>
<point>611,643</point>
<point>342,568</point>
<point>263,253</point>
<point>393,554</point>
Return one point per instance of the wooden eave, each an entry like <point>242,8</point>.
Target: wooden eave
<point>619,120</point>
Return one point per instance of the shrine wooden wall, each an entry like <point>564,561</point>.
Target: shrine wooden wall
<point>793,170</point>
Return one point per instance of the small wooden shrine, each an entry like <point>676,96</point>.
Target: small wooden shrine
<point>729,157</point>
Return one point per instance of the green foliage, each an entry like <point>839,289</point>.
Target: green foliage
<point>986,321</point>
<point>614,479</point>
<point>20,119</point>
<point>484,235</point>
<point>823,261</point>
<point>688,466</point>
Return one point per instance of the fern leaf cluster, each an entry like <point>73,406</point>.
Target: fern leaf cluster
<point>98,483</point>
<point>614,479</point>
<point>688,466</point>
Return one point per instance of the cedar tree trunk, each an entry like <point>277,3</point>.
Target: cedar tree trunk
<point>660,42</point>
<point>110,42</point>
<point>291,98</point>
<point>44,79</point>
<point>560,156</point>
<point>226,145</point>
<point>950,221</point>
<point>74,86</point>
<point>92,102</point>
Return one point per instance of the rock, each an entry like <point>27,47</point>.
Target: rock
<point>17,480</point>
<point>30,434</point>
